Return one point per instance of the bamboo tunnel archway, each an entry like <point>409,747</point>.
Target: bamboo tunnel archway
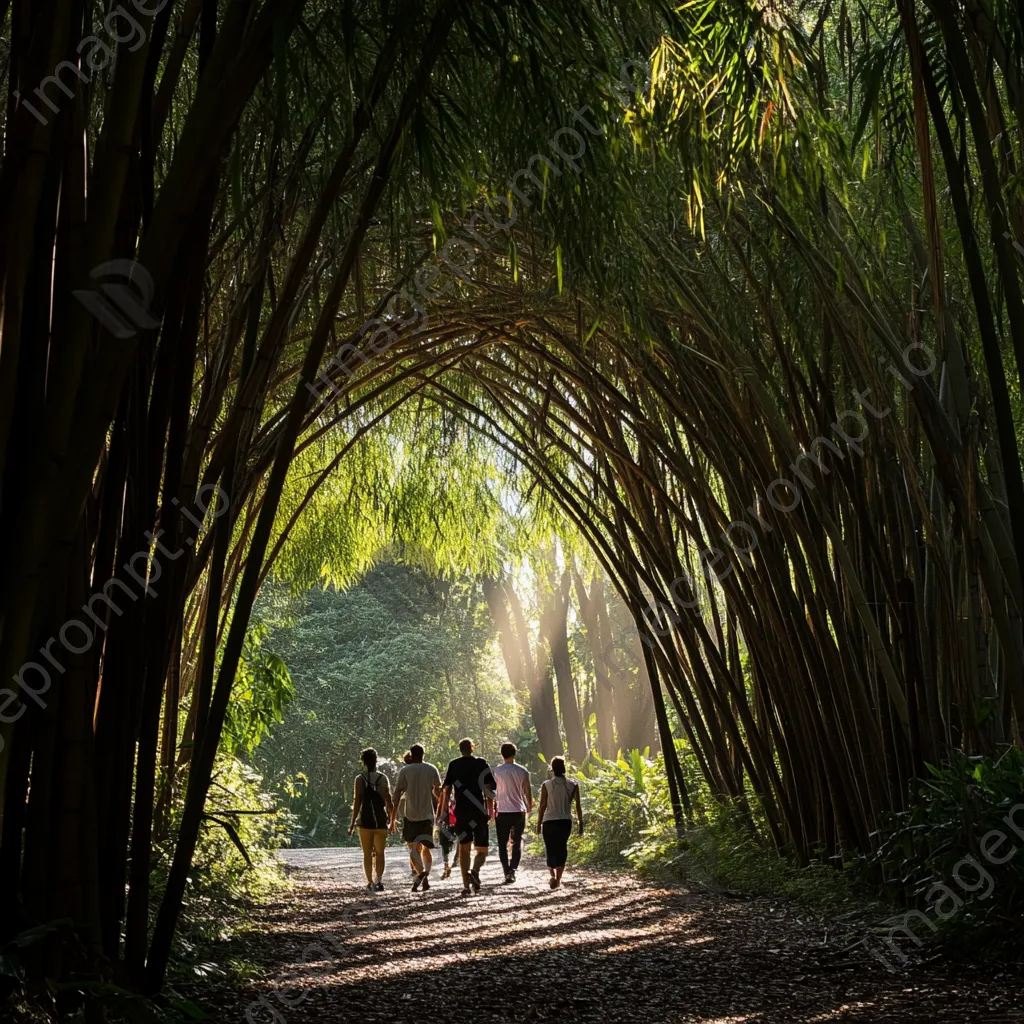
<point>736,343</point>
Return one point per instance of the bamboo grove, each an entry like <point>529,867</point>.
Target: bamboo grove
<point>758,342</point>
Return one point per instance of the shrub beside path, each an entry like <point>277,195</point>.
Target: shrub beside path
<point>605,948</point>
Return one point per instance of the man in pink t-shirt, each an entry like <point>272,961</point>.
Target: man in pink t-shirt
<point>514,803</point>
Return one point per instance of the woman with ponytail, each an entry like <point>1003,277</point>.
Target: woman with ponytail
<point>371,808</point>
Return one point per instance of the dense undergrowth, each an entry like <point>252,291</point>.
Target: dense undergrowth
<point>954,855</point>
<point>724,847</point>
<point>234,869</point>
<point>235,866</point>
<point>949,857</point>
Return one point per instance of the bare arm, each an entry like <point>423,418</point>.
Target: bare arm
<point>389,805</point>
<point>529,798</point>
<point>400,787</point>
<point>579,809</point>
<point>490,800</point>
<point>442,806</point>
<point>357,803</point>
<point>543,807</point>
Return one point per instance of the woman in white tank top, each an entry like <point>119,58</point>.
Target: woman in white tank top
<point>554,817</point>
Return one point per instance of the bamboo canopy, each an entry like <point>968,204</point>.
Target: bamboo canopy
<point>730,292</point>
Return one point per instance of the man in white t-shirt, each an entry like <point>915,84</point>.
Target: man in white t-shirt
<point>514,803</point>
<point>420,783</point>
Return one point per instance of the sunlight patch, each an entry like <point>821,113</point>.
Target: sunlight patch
<point>837,1011</point>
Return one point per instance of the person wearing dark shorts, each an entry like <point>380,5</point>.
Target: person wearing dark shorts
<point>419,782</point>
<point>470,779</point>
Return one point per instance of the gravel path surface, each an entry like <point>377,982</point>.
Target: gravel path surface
<point>604,948</point>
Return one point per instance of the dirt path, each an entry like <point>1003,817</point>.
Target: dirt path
<point>605,948</point>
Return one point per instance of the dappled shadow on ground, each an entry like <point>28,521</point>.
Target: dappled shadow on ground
<point>602,949</point>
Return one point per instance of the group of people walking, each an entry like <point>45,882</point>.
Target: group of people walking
<point>456,813</point>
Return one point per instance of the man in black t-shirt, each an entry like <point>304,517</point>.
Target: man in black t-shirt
<point>470,779</point>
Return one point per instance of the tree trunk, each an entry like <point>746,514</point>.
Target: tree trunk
<point>600,640</point>
<point>511,651</point>
<point>558,643</point>
<point>542,692</point>
<point>645,721</point>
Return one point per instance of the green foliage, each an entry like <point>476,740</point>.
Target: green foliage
<point>263,689</point>
<point>320,814</point>
<point>928,844</point>
<point>234,865</point>
<point>626,810</point>
<point>425,483</point>
<point>28,996</point>
<point>629,822</point>
<point>400,658</point>
<point>725,850</point>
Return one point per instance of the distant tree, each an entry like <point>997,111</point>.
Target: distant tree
<point>397,659</point>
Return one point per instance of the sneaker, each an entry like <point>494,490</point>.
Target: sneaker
<point>420,879</point>
<point>474,880</point>
<point>379,887</point>
<point>509,878</point>
<point>426,883</point>
<point>512,875</point>
<point>369,886</point>
<point>465,892</point>
<point>553,882</point>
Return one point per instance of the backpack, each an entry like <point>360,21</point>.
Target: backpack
<point>372,814</point>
